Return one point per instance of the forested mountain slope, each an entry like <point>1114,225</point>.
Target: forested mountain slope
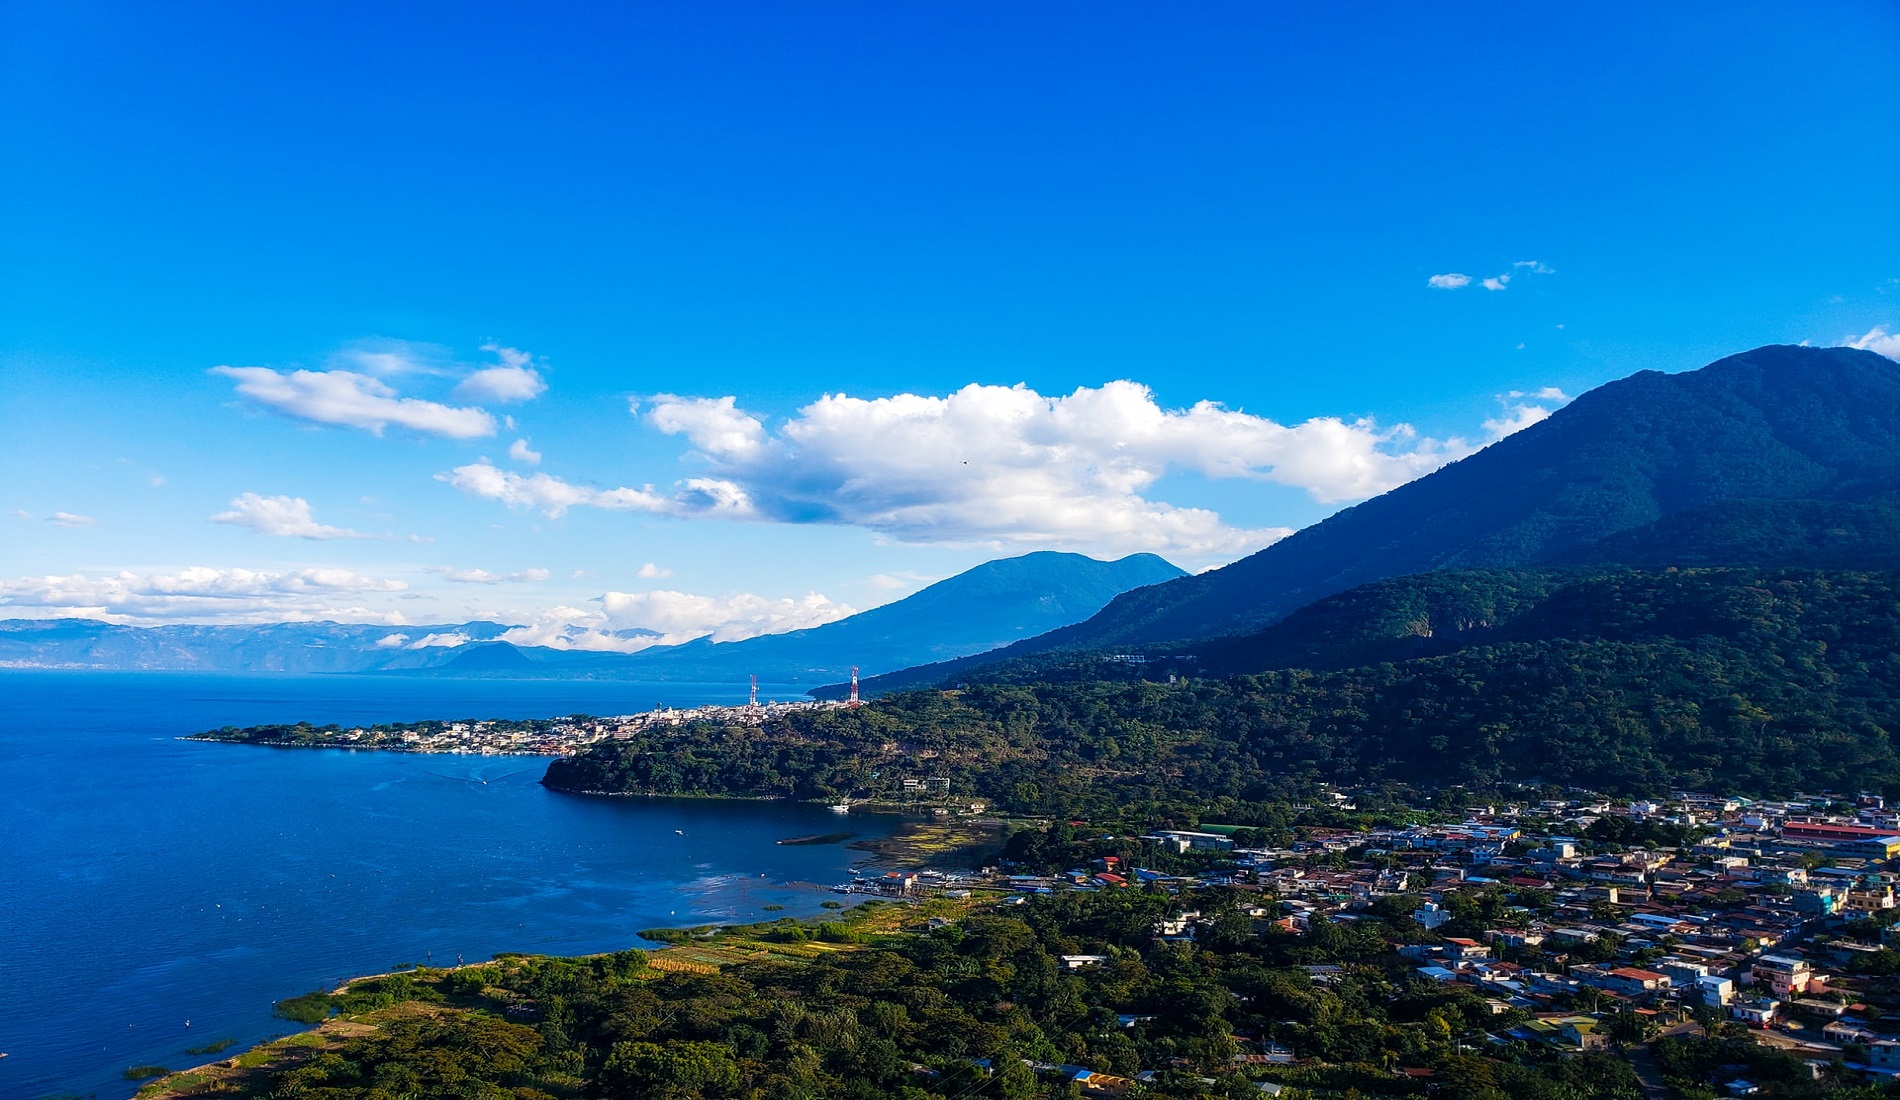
<point>1796,432</point>
<point>1631,681</point>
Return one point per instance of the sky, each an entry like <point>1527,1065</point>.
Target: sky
<point>659,320</point>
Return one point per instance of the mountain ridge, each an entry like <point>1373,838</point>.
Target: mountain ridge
<point>977,609</point>
<point>1778,423</point>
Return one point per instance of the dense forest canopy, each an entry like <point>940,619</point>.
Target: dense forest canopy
<point>970,1008</point>
<point>1624,680</point>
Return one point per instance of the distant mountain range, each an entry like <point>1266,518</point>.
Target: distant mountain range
<point>1781,456</point>
<point>991,605</point>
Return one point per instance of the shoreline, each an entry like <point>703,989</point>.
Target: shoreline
<point>314,1037</point>
<point>347,746</point>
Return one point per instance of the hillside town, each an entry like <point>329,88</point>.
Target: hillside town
<point>1774,919</point>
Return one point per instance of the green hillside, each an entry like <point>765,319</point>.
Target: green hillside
<point>1760,682</point>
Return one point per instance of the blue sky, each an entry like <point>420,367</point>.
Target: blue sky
<point>733,317</point>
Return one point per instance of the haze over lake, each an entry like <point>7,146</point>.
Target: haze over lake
<point>147,882</point>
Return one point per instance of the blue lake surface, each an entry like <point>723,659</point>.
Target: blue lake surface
<point>157,894</point>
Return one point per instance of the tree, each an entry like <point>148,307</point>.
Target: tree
<point>676,1071</point>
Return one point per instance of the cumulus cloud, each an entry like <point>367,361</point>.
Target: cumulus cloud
<point>627,622</point>
<point>354,400</point>
<point>483,576</point>
<point>650,571</point>
<point>516,379</point>
<point>714,425</point>
<point>1521,409</point>
<point>994,466</point>
<point>548,493</point>
<point>445,641</point>
<point>284,516</point>
<point>1535,267</point>
<point>70,519</point>
<point>1877,339</point>
<point>391,641</point>
<point>1451,281</point>
<point>1497,282</point>
<point>202,594</point>
<point>524,454</point>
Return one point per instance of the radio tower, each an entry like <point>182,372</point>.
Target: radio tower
<point>854,704</point>
<point>753,700</point>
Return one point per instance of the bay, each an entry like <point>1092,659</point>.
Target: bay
<point>157,894</point>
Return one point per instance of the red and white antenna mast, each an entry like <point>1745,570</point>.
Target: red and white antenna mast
<point>855,702</point>
<point>753,700</point>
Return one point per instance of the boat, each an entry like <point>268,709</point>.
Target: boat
<point>840,807</point>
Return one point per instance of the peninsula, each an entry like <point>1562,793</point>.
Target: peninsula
<point>498,736</point>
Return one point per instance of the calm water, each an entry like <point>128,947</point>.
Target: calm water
<point>146,882</point>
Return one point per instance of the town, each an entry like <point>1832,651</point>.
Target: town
<point>1572,918</point>
<point>502,737</point>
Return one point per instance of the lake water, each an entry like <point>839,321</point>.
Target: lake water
<point>157,894</point>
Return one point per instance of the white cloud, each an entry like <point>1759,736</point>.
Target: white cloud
<point>563,627</point>
<point>202,594</point>
<point>516,379</point>
<point>524,454</point>
<point>995,466</point>
<point>483,576</point>
<point>354,400</point>
<point>284,516</point>
<point>550,494</point>
<point>1877,339</point>
<point>631,621</point>
<point>70,519</point>
<point>650,571</point>
<point>445,641</point>
<point>1522,408</point>
<point>391,641</point>
<point>1007,465</point>
<point>682,616</point>
<point>714,425</point>
<point>1456,281</point>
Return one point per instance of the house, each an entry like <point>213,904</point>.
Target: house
<point>1714,991</point>
<point>1755,1012</point>
<point>1850,1030</point>
<point>1184,839</point>
<point>1786,975</point>
<point>1583,1032</point>
<point>1633,982</point>
<point>1079,962</point>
